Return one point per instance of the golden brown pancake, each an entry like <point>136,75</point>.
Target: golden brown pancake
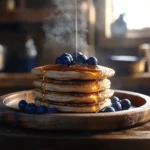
<point>89,86</point>
<point>75,88</point>
<point>80,108</point>
<point>74,72</point>
<point>73,97</point>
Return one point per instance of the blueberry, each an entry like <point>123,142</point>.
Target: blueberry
<point>117,106</point>
<point>115,99</point>
<point>108,109</point>
<point>42,109</point>
<point>82,59</point>
<point>75,55</point>
<point>67,54</point>
<point>126,104</point>
<point>66,61</point>
<point>31,108</point>
<point>73,62</point>
<point>58,60</point>
<point>22,105</point>
<point>92,61</point>
<point>52,110</point>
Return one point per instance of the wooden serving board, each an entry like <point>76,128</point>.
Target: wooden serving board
<point>137,115</point>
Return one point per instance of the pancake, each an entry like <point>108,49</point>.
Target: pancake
<point>74,72</point>
<point>79,108</point>
<point>81,87</point>
<point>74,97</point>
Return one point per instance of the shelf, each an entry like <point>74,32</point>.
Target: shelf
<point>13,80</point>
<point>123,42</point>
<point>27,15</point>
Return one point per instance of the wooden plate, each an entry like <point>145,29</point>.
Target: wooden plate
<point>137,115</point>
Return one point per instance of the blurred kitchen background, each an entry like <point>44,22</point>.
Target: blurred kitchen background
<point>35,32</point>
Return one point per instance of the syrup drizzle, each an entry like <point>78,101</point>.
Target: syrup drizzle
<point>43,70</point>
<point>76,25</point>
<point>43,87</point>
<point>76,67</point>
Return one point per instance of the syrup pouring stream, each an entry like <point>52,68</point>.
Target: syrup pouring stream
<point>44,71</point>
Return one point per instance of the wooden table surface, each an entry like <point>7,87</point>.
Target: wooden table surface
<point>137,138</point>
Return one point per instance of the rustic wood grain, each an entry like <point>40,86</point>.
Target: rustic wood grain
<point>135,138</point>
<point>76,121</point>
<point>28,15</point>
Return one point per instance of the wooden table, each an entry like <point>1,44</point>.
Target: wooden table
<point>137,138</point>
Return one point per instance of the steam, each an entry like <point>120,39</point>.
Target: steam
<point>62,31</point>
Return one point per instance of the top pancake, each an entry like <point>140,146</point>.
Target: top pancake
<point>74,72</point>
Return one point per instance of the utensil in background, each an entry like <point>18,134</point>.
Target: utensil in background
<point>125,65</point>
<point>144,50</point>
<point>23,57</point>
<point>27,55</point>
<point>3,57</point>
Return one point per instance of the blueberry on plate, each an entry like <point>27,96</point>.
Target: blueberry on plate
<point>82,59</point>
<point>92,61</point>
<point>22,105</point>
<point>117,106</point>
<point>52,110</point>
<point>108,109</point>
<point>126,104</point>
<point>115,99</point>
<point>58,60</point>
<point>75,55</point>
<point>42,109</point>
<point>66,61</point>
<point>31,108</point>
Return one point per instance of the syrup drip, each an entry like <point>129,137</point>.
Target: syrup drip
<point>77,67</point>
<point>43,87</point>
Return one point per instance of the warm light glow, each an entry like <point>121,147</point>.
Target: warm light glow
<point>137,12</point>
<point>84,6</point>
<point>94,97</point>
<point>92,20</point>
<point>92,14</point>
<point>94,88</point>
<point>108,17</point>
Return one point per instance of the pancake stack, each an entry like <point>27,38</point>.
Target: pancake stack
<point>75,88</point>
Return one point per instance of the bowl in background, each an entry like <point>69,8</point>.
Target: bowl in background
<point>124,65</point>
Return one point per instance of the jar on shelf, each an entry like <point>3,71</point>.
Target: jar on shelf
<point>3,57</point>
<point>8,5</point>
<point>27,55</point>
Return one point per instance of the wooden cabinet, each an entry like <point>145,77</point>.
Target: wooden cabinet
<point>22,13</point>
